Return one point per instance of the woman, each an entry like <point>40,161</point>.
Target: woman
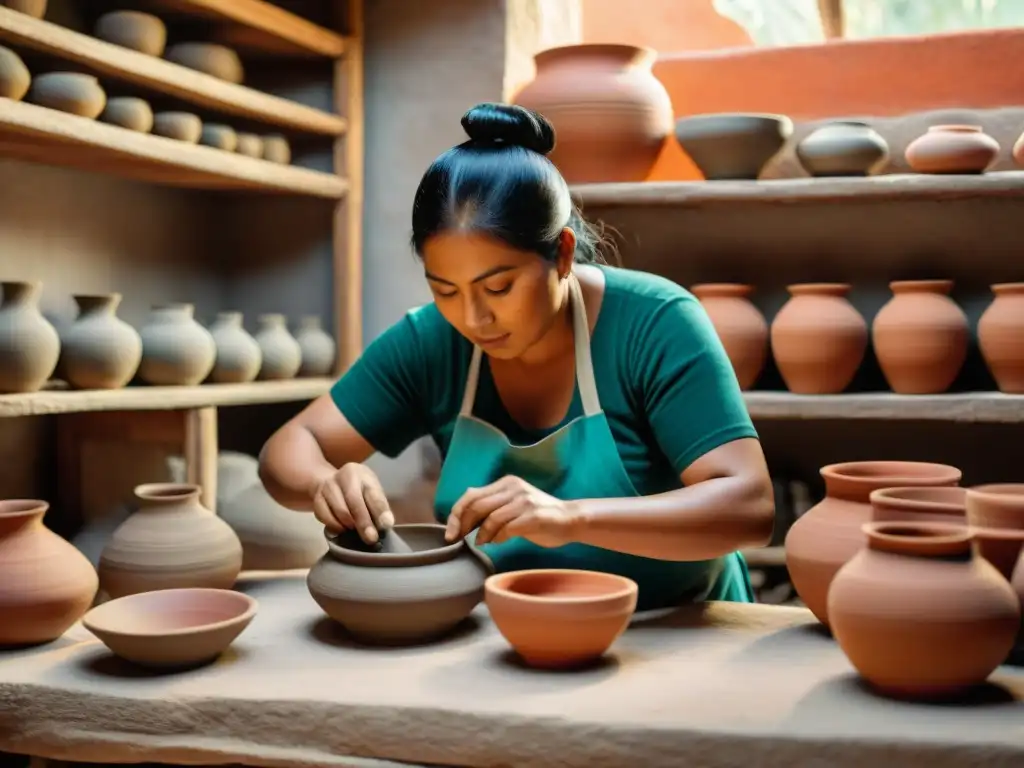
<point>587,415</point>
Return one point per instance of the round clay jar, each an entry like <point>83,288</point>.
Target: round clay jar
<point>952,149</point>
<point>843,148</point>
<point>1001,337</point>
<point>740,326</point>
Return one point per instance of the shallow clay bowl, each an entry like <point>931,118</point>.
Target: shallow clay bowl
<point>732,145</point>
<point>557,618</point>
<point>171,627</point>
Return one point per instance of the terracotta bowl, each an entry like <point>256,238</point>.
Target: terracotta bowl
<point>560,618</point>
<point>172,627</point>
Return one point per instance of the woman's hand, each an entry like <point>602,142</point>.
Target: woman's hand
<point>352,497</point>
<point>512,507</point>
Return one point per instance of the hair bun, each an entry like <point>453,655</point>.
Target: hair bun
<point>492,123</point>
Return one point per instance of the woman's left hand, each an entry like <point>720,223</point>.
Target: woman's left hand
<point>512,507</point>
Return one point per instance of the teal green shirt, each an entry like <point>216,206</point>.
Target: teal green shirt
<point>666,385</point>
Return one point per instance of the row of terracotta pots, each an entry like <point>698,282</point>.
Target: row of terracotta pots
<point>921,581</point>
<point>818,338</point>
<point>101,351</point>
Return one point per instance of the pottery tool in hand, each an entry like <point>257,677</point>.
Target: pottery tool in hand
<point>388,542</point>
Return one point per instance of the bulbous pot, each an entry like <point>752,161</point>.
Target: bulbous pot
<point>818,339</point>
<point>996,514</point>
<point>318,348</point>
<point>843,148</point>
<point>29,344</point>
<point>740,326</point>
<point>919,614</point>
<point>281,353</point>
<point>46,585</point>
<point>952,149</point>
<point>611,115</point>
<point>399,598</point>
<point>1001,337</point>
<point>238,354</point>
<point>920,337</point>
<point>14,75</point>
<point>176,350</point>
<point>99,350</point>
<point>732,145</point>
<point>827,535</point>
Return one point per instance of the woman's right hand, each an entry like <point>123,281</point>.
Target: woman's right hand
<point>352,498</point>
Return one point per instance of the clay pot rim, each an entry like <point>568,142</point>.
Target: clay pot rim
<point>998,493</point>
<point>903,497</point>
<point>167,492</point>
<point>823,289</point>
<point>640,54</point>
<point>722,290</point>
<point>891,473</point>
<point>956,128</point>
<point>624,587</point>
<point>937,285</point>
<point>93,620</point>
<point>13,509</point>
<point>919,538</point>
<point>398,559</point>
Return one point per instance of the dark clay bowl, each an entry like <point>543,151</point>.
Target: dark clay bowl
<point>732,145</point>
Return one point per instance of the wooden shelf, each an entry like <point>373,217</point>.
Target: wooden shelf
<point>803,190</point>
<point>976,407</point>
<point>197,88</point>
<point>41,135</point>
<point>261,26</point>
<point>162,398</point>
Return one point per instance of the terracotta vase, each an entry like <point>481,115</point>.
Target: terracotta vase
<point>825,537</point>
<point>99,350</point>
<point>818,339</point>
<point>46,585</point>
<point>397,598</point>
<point>843,148</point>
<point>172,542</point>
<point>996,513</point>
<point>920,337</point>
<point>952,149</point>
<point>610,113</point>
<point>282,355</point>
<point>1001,337</point>
<point>176,350</point>
<point>14,75</point>
<point>732,145</point>
<point>918,614</point>
<point>739,324</point>
<point>319,350</point>
<point>238,354</point>
<point>29,344</point>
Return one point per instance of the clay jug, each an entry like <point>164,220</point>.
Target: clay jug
<point>406,597</point>
<point>826,536</point>
<point>172,541</point>
<point>176,350</point>
<point>1001,337</point>
<point>29,344</point>
<point>99,350</point>
<point>610,113</point>
<point>818,339</point>
<point>952,149</point>
<point>920,337</point>
<point>996,513</point>
<point>918,614</point>
<point>843,148</point>
<point>46,585</point>
<point>238,354</point>
<point>318,348</point>
<point>739,324</point>
<point>282,355</point>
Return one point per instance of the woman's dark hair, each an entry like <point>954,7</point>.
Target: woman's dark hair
<point>500,183</point>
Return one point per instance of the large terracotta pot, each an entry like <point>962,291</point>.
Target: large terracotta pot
<point>46,585</point>
<point>739,324</point>
<point>172,542</point>
<point>918,614</point>
<point>825,537</point>
<point>610,113</point>
<point>1001,337</point>
<point>818,339</point>
<point>920,337</point>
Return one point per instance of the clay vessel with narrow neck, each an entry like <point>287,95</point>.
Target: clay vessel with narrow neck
<point>29,344</point>
<point>99,350</point>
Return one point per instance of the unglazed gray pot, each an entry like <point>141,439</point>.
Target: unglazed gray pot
<point>29,344</point>
<point>400,598</point>
<point>282,355</point>
<point>176,350</point>
<point>318,348</point>
<point>238,355</point>
<point>843,148</point>
<point>100,351</point>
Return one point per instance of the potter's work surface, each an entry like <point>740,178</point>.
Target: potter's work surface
<point>726,685</point>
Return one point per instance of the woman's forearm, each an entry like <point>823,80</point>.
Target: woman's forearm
<point>700,522</point>
<point>292,465</point>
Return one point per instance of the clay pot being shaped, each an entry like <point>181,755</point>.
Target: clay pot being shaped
<point>99,350</point>
<point>843,148</point>
<point>558,619</point>
<point>70,92</point>
<point>611,115</point>
<point>282,355</point>
<point>920,337</point>
<point>398,598</point>
<point>318,348</point>
<point>180,126</point>
<point>1001,337</point>
<point>34,8</point>
<point>818,339</point>
<point>171,542</point>
<point>825,537</point>
<point>29,344</point>
<point>176,350</point>
<point>952,149</point>
<point>732,145</point>
<point>739,324</point>
<point>238,355</point>
<point>138,31</point>
<point>215,60</point>
<point>249,144</point>
<point>919,615</point>
<point>14,75</point>
<point>276,149</point>
<point>920,504</point>
<point>274,538</point>
<point>219,136</point>
<point>129,112</point>
<point>46,585</point>
<point>996,514</point>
